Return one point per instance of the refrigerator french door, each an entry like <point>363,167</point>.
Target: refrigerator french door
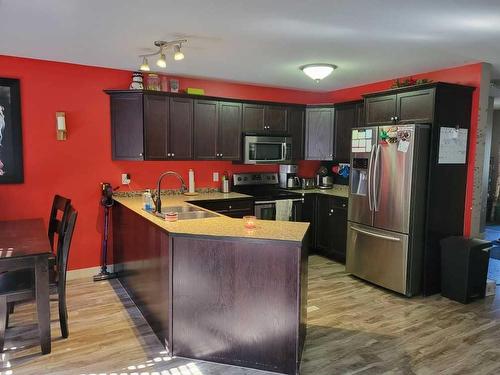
<point>386,214</point>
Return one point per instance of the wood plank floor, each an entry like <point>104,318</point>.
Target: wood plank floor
<point>353,328</point>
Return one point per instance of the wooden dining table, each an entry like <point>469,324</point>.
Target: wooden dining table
<point>24,244</point>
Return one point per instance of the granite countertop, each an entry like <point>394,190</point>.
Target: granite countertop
<point>219,226</point>
<point>337,190</point>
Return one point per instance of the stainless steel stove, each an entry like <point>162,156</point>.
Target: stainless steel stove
<point>271,202</point>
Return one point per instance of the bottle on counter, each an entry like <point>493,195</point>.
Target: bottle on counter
<point>225,182</point>
<point>147,200</point>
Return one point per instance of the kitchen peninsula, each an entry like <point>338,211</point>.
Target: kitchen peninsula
<point>212,289</point>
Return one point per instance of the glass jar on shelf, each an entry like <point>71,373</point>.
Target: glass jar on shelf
<point>154,82</point>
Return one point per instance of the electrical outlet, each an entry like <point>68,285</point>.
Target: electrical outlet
<point>125,178</point>
<point>216,176</point>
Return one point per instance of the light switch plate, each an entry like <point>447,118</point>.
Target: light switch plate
<point>216,176</point>
<point>125,178</point>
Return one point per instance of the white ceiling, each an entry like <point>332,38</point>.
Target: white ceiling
<point>260,41</point>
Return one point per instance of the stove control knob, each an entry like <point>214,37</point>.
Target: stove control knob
<point>239,178</point>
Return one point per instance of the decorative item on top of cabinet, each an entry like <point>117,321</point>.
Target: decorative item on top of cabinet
<point>319,133</point>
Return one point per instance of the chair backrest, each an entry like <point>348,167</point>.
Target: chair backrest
<point>57,217</point>
<point>63,250</point>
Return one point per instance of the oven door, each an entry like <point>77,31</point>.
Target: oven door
<point>265,210</point>
<point>267,150</point>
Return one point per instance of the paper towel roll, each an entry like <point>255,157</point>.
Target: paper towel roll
<point>191,181</point>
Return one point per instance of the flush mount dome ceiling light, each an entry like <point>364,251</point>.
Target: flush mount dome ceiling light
<point>318,71</point>
<point>176,45</point>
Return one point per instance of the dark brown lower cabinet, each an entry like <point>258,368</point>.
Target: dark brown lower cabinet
<point>309,215</point>
<point>238,301</point>
<point>328,232</point>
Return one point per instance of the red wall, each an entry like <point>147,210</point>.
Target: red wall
<point>75,168</point>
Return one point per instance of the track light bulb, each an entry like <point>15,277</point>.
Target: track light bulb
<point>145,66</point>
<point>162,62</point>
<point>178,55</point>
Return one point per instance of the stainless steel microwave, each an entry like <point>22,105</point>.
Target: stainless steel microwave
<point>267,149</point>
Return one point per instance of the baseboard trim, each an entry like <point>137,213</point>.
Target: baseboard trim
<point>84,273</point>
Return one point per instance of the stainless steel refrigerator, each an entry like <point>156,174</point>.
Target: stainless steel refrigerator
<point>387,198</point>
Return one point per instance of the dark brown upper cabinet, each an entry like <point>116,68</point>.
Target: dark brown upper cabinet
<point>156,119</point>
<point>320,132</point>
<point>151,126</point>
<point>217,130</point>
<point>346,117</point>
<point>229,132</point>
<point>380,110</point>
<point>206,124</point>
<point>260,118</point>
<point>296,129</point>
<point>415,106</point>
<point>181,129</point>
<point>127,142</point>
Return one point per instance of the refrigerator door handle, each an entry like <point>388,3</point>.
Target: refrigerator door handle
<point>389,238</point>
<point>375,181</point>
<point>370,177</point>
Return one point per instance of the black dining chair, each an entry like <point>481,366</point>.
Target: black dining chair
<point>19,285</point>
<point>57,221</point>
<point>57,214</point>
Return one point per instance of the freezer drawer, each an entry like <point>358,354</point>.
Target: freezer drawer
<point>378,256</point>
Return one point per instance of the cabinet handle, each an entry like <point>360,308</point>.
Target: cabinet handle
<point>396,118</point>
<point>140,154</point>
<point>221,155</point>
<point>168,155</point>
<point>173,154</point>
<point>392,118</point>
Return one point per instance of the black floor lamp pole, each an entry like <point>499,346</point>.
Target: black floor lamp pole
<point>107,203</point>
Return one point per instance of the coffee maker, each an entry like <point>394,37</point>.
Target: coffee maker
<point>288,176</point>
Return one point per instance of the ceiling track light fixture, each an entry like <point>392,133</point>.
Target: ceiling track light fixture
<point>318,71</point>
<point>163,46</point>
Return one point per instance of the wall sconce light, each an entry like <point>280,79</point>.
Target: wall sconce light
<point>61,126</point>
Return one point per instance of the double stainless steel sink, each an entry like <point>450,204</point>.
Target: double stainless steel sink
<point>185,212</point>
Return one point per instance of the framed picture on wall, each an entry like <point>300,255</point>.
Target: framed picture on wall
<point>11,144</point>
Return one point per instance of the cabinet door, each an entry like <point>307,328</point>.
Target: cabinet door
<point>415,107</point>
<point>296,125</point>
<point>229,144</point>
<point>253,118</point>
<point>309,216</point>
<point>155,126</point>
<point>319,133</point>
<point>275,119</point>
<point>380,109</point>
<point>206,123</point>
<point>181,128</point>
<point>338,233</point>
<point>360,114</point>
<point>345,120</point>
<point>323,223</point>
<point>127,127</point>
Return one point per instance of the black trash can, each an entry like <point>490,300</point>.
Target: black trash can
<point>464,268</point>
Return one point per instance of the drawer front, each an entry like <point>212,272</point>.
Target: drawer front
<point>224,206</point>
<point>339,203</point>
